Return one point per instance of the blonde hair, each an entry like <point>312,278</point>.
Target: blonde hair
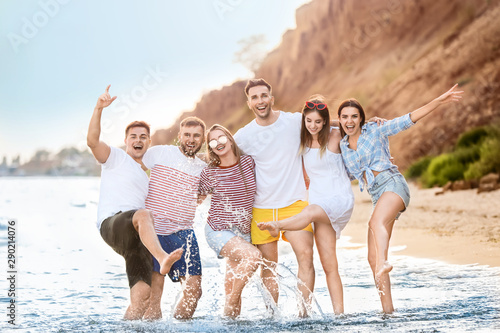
<point>214,159</point>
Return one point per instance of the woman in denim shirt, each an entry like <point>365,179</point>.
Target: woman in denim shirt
<point>365,151</point>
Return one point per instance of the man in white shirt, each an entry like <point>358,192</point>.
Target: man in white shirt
<point>172,197</point>
<point>123,222</point>
<point>273,139</point>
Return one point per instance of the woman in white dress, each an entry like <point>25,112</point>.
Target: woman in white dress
<point>331,199</point>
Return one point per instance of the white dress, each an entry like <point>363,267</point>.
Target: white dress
<point>330,187</point>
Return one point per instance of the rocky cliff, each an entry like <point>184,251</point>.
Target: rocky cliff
<point>392,55</point>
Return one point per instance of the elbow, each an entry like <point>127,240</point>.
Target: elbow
<point>91,143</point>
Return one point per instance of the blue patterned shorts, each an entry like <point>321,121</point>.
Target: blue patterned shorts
<point>390,181</point>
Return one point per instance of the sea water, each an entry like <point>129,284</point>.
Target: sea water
<point>68,279</point>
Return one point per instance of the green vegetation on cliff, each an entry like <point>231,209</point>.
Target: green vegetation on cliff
<point>476,153</point>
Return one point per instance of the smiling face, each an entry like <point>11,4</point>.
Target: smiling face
<point>224,144</point>
<point>350,120</point>
<point>314,123</point>
<point>260,101</point>
<point>137,142</point>
<point>190,140</point>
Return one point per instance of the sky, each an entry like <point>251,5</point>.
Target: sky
<point>160,57</point>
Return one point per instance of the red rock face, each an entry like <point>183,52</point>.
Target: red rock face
<point>392,55</point>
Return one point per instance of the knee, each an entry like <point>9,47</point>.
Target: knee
<point>141,299</point>
<point>196,294</point>
<point>145,299</point>
<point>193,293</point>
<point>372,261</point>
<point>305,258</point>
<point>255,256</point>
<point>373,223</point>
<point>331,267</point>
<point>143,217</point>
<point>254,259</point>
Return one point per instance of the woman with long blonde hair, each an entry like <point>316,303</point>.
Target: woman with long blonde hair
<point>230,179</point>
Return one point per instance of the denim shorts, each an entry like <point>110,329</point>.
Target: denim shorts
<point>390,181</point>
<point>216,239</point>
<point>190,262</point>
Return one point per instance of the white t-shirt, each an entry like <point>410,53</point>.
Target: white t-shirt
<point>124,185</point>
<point>173,188</point>
<point>278,166</point>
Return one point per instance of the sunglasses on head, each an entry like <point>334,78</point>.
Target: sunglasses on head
<point>214,142</point>
<point>312,105</point>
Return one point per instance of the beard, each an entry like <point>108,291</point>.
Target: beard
<point>188,151</point>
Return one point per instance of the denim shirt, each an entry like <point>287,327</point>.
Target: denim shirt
<point>372,151</point>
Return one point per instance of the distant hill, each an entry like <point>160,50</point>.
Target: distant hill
<point>392,55</point>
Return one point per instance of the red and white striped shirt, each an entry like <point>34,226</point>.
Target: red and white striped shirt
<point>173,188</point>
<point>232,197</point>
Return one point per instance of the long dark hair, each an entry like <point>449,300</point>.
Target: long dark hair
<point>323,135</point>
<point>351,102</point>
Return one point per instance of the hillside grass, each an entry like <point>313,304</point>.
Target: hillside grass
<point>476,153</point>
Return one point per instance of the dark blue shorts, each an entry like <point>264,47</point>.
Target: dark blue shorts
<point>190,262</point>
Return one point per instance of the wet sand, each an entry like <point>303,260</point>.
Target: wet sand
<point>460,227</point>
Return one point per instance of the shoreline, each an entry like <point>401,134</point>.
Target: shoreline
<point>460,227</point>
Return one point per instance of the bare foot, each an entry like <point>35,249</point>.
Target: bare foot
<point>169,260</point>
<point>385,269</point>
<point>272,227</point>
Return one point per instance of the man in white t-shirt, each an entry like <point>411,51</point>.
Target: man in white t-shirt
<point>273,139</point>
<point>123,222</point>
<point>172,197</point>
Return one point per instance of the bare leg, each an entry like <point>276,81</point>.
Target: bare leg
<point>326,241</point>
<point>383,283</point>
<point>143,223</point>
<point>154,309</point>
<point>139,301</point>
<point>308,215</point>
<point>191,294</point>
<point>380,224</point>
<point>243,259</point>
<point>302,244</point>
<point>228,288</point>
<point>379,234</point>
<point>268,274</point>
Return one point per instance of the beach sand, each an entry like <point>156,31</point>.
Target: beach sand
<point>460,227</point>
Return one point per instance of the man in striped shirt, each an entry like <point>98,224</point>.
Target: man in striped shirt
<point>172,197</point>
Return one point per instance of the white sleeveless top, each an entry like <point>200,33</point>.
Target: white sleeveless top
<point>330,187</point>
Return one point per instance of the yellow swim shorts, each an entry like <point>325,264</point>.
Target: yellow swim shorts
<point>266,215</point>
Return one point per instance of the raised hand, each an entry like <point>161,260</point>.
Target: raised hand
<point>105,99</point>
<point>451,95</point>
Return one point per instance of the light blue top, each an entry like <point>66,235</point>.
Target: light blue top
<point>372,151</point>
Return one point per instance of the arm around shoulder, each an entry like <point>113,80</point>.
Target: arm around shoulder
<point>334,140</point>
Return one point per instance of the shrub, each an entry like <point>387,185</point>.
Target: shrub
<point>438,167</point>
<point>472,137</point>
<point>489,160</point>
<point>418,168</point>
<point>477,153</point>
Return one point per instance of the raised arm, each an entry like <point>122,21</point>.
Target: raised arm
<point>451,95</point>
<point>99,149</point>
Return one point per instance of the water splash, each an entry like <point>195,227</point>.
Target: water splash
<point>88,291</point>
